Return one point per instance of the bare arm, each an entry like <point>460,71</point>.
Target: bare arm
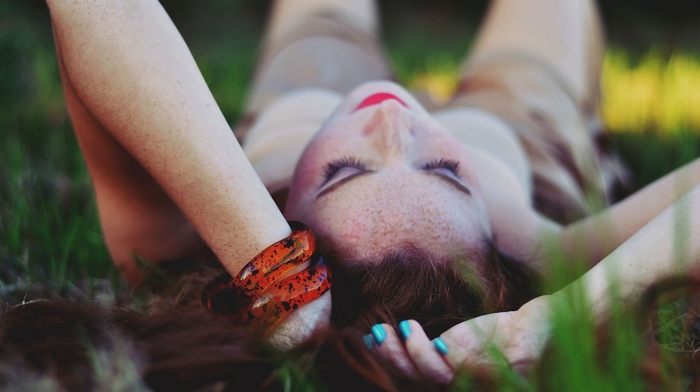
<point>132,72</point>
<point>667,246</point>
<point>593,238</point>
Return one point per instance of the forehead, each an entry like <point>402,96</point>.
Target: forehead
<point>373,214</point>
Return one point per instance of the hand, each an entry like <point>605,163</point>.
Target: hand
<point>518,337</point>
<point>301,323</point>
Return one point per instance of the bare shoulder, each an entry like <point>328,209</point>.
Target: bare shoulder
<point>502,171</point>
<point>519,230</point>
<point>527,236</point>
<point>487,133</point>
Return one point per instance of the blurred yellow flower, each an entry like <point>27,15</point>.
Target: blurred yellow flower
<point>660,93</point>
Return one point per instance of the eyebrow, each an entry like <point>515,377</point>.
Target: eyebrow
<point>452,181</point>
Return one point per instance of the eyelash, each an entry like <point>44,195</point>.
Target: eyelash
<point>448,164</point>
<point>333,167</point>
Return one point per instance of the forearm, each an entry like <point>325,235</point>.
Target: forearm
<point>133,72</point>
<point>667,246</point>
<point>595,237</point>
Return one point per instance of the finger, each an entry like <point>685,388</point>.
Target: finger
<point>387,344</point>
<point>427,356</point>
<point>471,342</point>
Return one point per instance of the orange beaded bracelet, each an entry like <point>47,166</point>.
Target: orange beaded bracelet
<point>265,291</point>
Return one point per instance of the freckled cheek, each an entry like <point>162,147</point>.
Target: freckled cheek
<point>339,224</point>
<point>355,230</point>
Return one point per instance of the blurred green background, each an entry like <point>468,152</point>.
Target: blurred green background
<point>48,222</point>
<point>49,231</point>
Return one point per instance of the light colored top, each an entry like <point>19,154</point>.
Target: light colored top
<point>284,128</point>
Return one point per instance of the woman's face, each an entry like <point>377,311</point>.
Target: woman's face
<point>381,173</point>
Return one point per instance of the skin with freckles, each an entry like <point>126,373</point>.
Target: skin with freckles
<point>387,174</point>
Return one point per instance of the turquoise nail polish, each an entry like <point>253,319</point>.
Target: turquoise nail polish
<point>379,333</point>
<point>440,346</point>
<point>405,329</point>
<point>369,341</point>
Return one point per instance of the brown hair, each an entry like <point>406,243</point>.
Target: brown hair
<point>438,293</point>
<point>179,345</point>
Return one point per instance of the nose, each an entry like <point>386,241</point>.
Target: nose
<point>390,129</point>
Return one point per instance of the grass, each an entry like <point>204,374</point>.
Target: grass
<point>48,221</point>
<point>49,228</point>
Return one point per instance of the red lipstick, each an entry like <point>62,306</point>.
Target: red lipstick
<point>376,99</point>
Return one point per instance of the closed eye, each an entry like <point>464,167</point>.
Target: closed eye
<point>332,168</point>
<point>439,166</point>
<point>442,163</point>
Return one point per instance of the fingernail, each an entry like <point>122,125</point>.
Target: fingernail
<point>369,341</point>
<point>379,333</point>
<point>440,346</point>
<point>405,329</point>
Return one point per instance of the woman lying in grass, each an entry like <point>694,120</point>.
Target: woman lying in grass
<point>425,217</point>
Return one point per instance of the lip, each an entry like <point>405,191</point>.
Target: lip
<point>377,98</point>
